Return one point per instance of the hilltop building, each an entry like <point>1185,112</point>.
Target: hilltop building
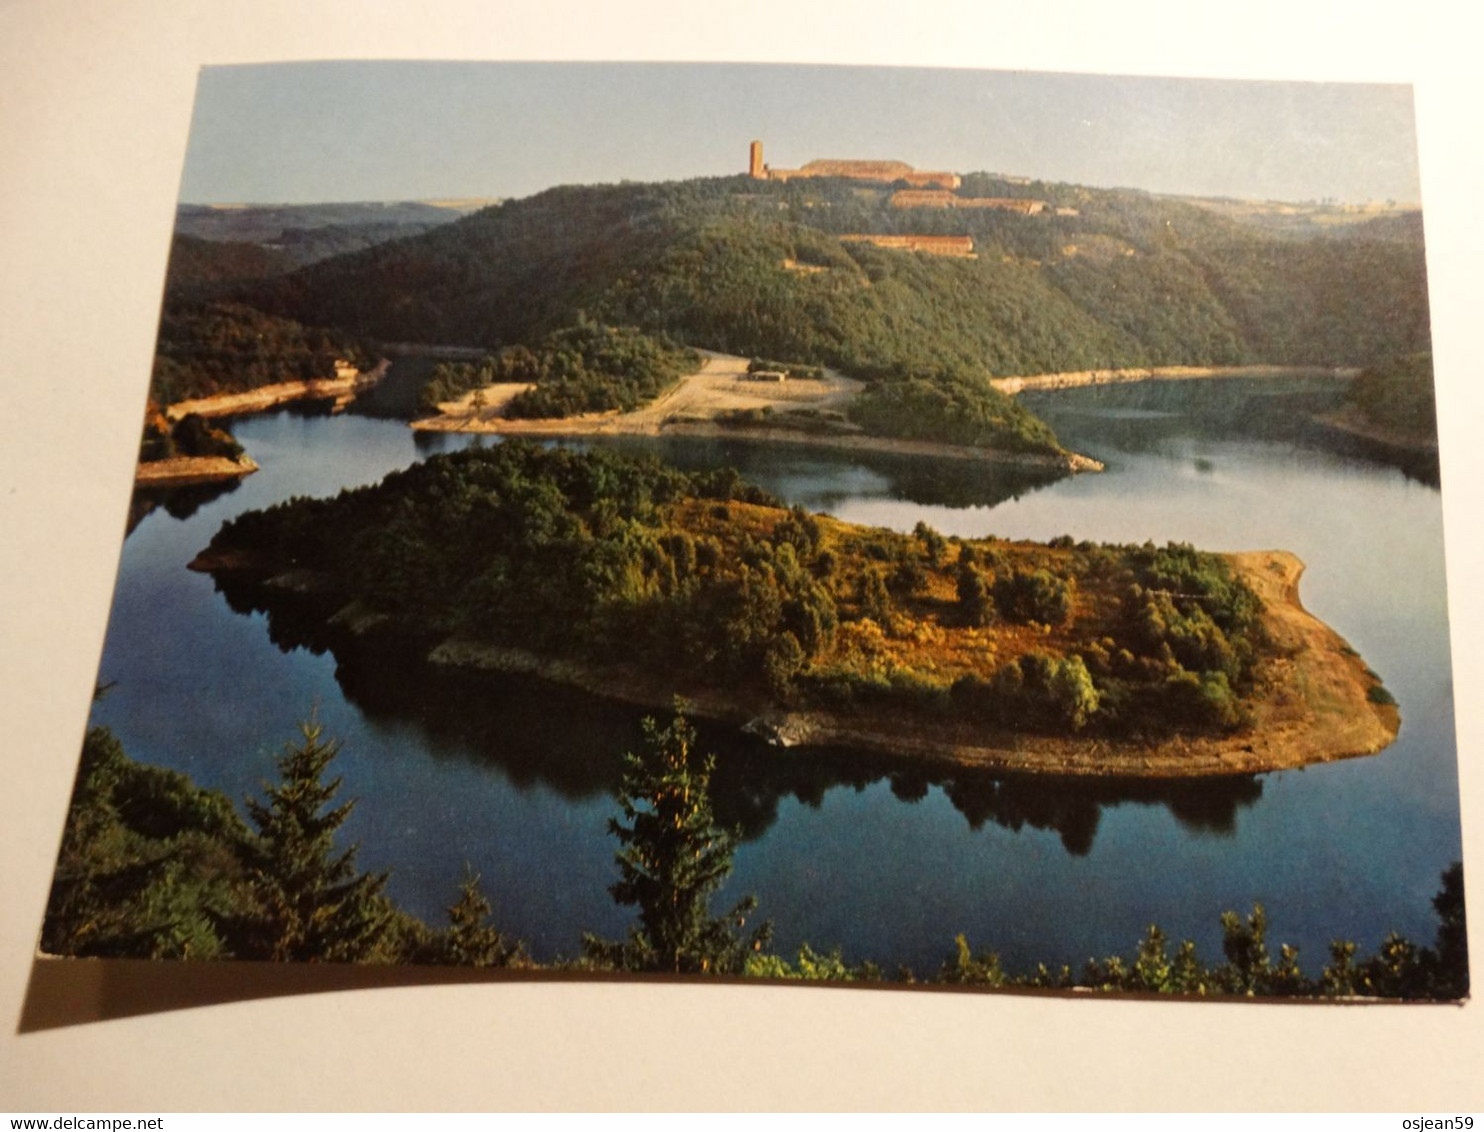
<point>884,172</point>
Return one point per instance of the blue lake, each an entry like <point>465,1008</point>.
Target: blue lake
<point>517,779</point>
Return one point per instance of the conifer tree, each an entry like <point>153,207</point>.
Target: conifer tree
<point>673,859</point>
<point>470,940</point>
<point>312,903</point>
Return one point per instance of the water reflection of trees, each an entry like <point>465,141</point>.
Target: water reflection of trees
<point>822,478</point>
<point>1146,416</point>
<point>178,502</point>
<point>757,781</point>
<point>540,734</point>
<point>570,742</point>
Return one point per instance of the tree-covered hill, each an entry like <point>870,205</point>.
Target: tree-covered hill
<point>210,348</point>
<point>209,267</point>
<point>1100,278</point>
<point>303,233</point>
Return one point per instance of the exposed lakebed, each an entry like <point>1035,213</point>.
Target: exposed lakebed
<point>516,778</point>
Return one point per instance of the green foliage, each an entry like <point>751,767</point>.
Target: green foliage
<point>970,970</point>
<point>201,267</point>
<point>672,861</point>
<point>150,865</point>
<point>312,903</point>
<point>933,544</point>
<point>470,940</point>
<point>810,966</point>
<point>1032,692</point>
<point>1398,394</point>
<point>1205,700</point>
<point>586,368</point>
<point>875,600</point>
<point>210,348</point>
<point>1245,945</point>
<point>1034,595</point>
<point>189,436</point>
<point>908,577</point>
<point>1071,693</point>
<point>566,552</point>
<point>1193,629</point>
<point>952,406</point>
<point>1151,281</point>
<point>153,867</point>
<point>976,603</point>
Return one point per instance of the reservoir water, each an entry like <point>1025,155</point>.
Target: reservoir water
<point>888,863</point>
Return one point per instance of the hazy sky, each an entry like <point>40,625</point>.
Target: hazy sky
<point>299,133</point>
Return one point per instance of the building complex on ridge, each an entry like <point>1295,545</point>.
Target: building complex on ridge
<point>885,172</point>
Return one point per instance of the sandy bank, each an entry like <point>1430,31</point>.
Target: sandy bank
<point>1076,378</point>
<point>181,471</point>
<point>692,408</point>
<point>1312,706</point>
<point>341,390</point>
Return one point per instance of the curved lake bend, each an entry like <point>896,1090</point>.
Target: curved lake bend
<point>517,778</point>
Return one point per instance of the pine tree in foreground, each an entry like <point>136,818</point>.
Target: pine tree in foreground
<point>672,861</point>
<point>470,940</point>
<point>312,903</point>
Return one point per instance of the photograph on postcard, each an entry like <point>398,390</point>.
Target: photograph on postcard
<point>874,525</point>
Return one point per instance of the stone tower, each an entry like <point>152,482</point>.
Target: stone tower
<point>755,167</point>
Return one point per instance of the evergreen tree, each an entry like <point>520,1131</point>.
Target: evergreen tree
<point>875,601</point>
<point>975,602</point>
<point>1451,952</point>
<point>312,903</point>
<point>470,940</point>
<point>673,859</point>
<point>1245,943</point>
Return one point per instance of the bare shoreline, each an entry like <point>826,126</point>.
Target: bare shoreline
<point>183,471</point>
<point>341,390</point>
<point>1074,379</point>
<point>693,405</point>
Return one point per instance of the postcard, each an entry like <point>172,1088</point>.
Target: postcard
<point>897,527</point>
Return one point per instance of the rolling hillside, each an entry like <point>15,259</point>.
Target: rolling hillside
<point>1102,278</point>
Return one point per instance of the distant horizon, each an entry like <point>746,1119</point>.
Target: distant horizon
<point>450,202</point>
<point>397,132</point>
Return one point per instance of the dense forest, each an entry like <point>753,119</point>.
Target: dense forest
<point>703,581</point>
<point>586,368</point>
<point>205,269</point>
<point>1397,395</point>
<point>218,347</point>
<point>756,267</point>
<point>152,866</point>
<point>1105,278</point>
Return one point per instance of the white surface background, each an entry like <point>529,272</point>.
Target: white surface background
<point>95,101</point>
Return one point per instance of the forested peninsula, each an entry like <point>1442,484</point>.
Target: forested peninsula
<point>218,359</point>
<point>635,580</point>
